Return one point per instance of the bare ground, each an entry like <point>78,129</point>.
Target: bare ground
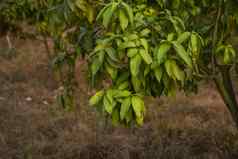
<point>33,126</point>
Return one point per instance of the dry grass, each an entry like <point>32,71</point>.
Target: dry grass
<point>32,126</point>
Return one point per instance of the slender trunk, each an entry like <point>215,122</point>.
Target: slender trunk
<point>225,88</point>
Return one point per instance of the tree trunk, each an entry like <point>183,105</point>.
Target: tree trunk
<point>225,88</point>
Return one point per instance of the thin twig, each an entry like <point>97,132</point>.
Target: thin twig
<point>215,36</point>
<point>10,46</point>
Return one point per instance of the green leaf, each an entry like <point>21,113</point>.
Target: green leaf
<point>122,77</point>
<point>170,36</point>
<point>99,47</point>
<point>108,101</point>
<point>232,51</point>
<point>95,66</point>
<point>132,52</point>
<point>145,56</point>
<point>183,54</point>
<point>136,83</point>
<point>110,94</point>
<point>135,63</point>
<point>90,14</point>
<point>94,100</point>
<point>144,43</point>
<point>122,94</point>
<point>220,48</point>
<point>227,57</point>
<point>123,19</point>
<point>183,37</point>
<point>78,51</point>
<point>108,14</point>
<point>132,37</point>
<point>115,117</point>
<point>111,52</point>
<point>147,70</point>
<point>101,55</point>
<point>107,105</point>
<point>169,68</point>
<point>178,73</point>
<point>138,106</point>
<point>125,106</point>
<point>112,71</point>
<point>194,43</point>
<point>140,120</point>
<point>129,12</point>
<point>161,52</point>
<point>102,11</point>
<point>128,44</point>
<point>129,115</point>
<point>123,85</point>
<point>158,73</point>
<point>145,32</point>
<point>114,64</point>
<point>178,24</point>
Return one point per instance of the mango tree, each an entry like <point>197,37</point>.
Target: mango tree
<point>140,47</point>
<point>155,47</point>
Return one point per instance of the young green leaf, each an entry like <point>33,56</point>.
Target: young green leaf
<point>138,106</point>
<point>132,52</point>
<point>102,11</point>
<point>145,32</point>
<point>122,94</point>
<point>108,105</point>
<point>129,44</point>
<point>123,85</point>
<point>116,65</point>
<point>94,100</point>
<point>107,15</point>
<point>227,58</point>
<point>111,70</point>
<point>170,36</point>
<point>144,43</point>
<point>183,53</point>
<point>177,72</point>
<point>158,73</point>
<point>125,106</point>
<point>183,37</point>
<point>145,56</point>
<point>95,66</point>
<point>111,52</point>
<point>115,117</point>
<point>129,12</point>
<point>194,43</point>
<point>169,68</point>
<point>122,77</point>
<point>162,52</point>
<point>123,19</point>
<point>140,120</point>
<point>136,83</point>
<point>135,63</point>
<point>132,37</point>
<point>129,115</point>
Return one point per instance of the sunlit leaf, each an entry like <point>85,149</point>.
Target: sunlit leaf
<point>135,63</point>
<point>125,106</point>
<point>183,54</point>
<point>94,100</point>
